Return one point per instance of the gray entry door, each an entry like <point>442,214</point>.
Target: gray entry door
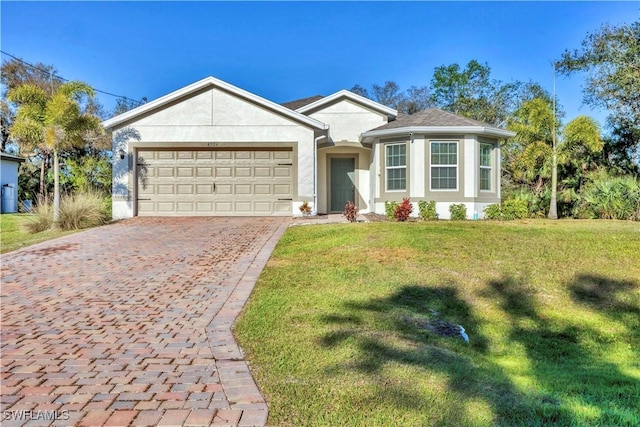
<point>342,182</point>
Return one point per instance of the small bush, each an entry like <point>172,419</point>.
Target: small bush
<point>515,209</point>
<point>82,210</point>
<point>458,212</point>
<point>390,208</point>
<point>350,211</point>
<point>493,212</point>
<point>427,210</point>
<point>509,210</point>
<point>42,218</point>
<point>403,210</point>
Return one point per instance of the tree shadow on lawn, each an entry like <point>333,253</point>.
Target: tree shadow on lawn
<point>565,358</point>
<point>400,337</point>
<point>568,357</point>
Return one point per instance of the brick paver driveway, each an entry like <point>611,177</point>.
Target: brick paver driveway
<point>129,324</point>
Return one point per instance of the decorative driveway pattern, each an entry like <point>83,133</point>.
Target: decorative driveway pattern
<point>130,324</point>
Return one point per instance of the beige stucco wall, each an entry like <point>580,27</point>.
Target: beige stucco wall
<point>211,117</point>
<point>347,120</point>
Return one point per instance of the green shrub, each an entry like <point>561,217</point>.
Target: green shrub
<point>608,197</point>
<point>403,210</point>
<point>507,211</point>
<point>515,209</point>
<point>42,218</point>
<point>427,210</point>
<point>458,212</point>
<point>493,212</point>
<point>390,208</point>
<point>83,210</point>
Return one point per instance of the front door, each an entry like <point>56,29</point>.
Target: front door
<point>342,182</point>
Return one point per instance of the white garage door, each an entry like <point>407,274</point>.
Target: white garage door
<point>215,182</point>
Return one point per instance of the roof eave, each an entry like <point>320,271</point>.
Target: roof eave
<point>199,85</point>
<point>476,130</point>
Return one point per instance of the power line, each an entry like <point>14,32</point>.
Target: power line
<point>66,80</point>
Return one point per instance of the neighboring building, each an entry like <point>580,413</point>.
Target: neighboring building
<point>214,149</point>
<point>9,182</point>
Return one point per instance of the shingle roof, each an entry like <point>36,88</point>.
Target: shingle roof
<point>299,103</point>
<point>431,117</point>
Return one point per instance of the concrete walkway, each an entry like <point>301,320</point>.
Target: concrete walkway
<point>130,324</point>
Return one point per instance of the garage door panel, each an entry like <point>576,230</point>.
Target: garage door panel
<point>182,189</point>
<point>164,155</point>
<point>242,189</point>
<point>282,171</point>
<point>214,182</point>
<point>282,155</point>
<point>204,155</point>
<point>165,207</point>
<point>262,172</point>
<point>223,189</point>
<point>282,189</point>
<point>243,172</point>
<point>282,207</point>
<point>164,172</point>
<point>185,207</point>
<point>262,155</point>
<point>165,189</point>
<point>184,172</point>
<point>204,172</point>
<point>224,172</point>
<point>202,189</point>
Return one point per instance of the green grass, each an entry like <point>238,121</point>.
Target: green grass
<point>14,234</point>
<point>335,329</point>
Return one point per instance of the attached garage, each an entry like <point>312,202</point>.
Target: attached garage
<point>239,181</point>
<point>212,149</point>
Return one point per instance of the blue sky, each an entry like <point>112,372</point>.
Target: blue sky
<point>289,50</point>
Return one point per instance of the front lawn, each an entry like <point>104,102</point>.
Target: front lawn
<point>14,235</point>
<point>342,327</point>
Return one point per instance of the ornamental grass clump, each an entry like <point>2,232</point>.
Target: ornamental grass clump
<point>83,210</point>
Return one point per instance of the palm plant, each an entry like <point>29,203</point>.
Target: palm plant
<point>51,123</point>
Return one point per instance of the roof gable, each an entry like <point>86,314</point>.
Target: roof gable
<point>192,89</point>
<point>345,94</point>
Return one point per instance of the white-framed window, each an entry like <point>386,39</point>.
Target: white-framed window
<point>444,165</point>
<point>486,157</point>
<point>395,166</point>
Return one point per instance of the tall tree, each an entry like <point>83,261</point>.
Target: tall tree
<point>14,73</point>
<point>532,151</point>
<point>472,93</point>
<point>387,94</point>
<point>611,59</point>
<point>52,122</point>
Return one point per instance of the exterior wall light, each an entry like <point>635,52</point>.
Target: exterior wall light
<point>122,154</point>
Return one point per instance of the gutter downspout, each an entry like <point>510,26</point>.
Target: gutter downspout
<point>315,174</point>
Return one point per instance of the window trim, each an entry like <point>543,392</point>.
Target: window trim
<point>405,167</point>
<point>484,167</point>
<point>456,165</point>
